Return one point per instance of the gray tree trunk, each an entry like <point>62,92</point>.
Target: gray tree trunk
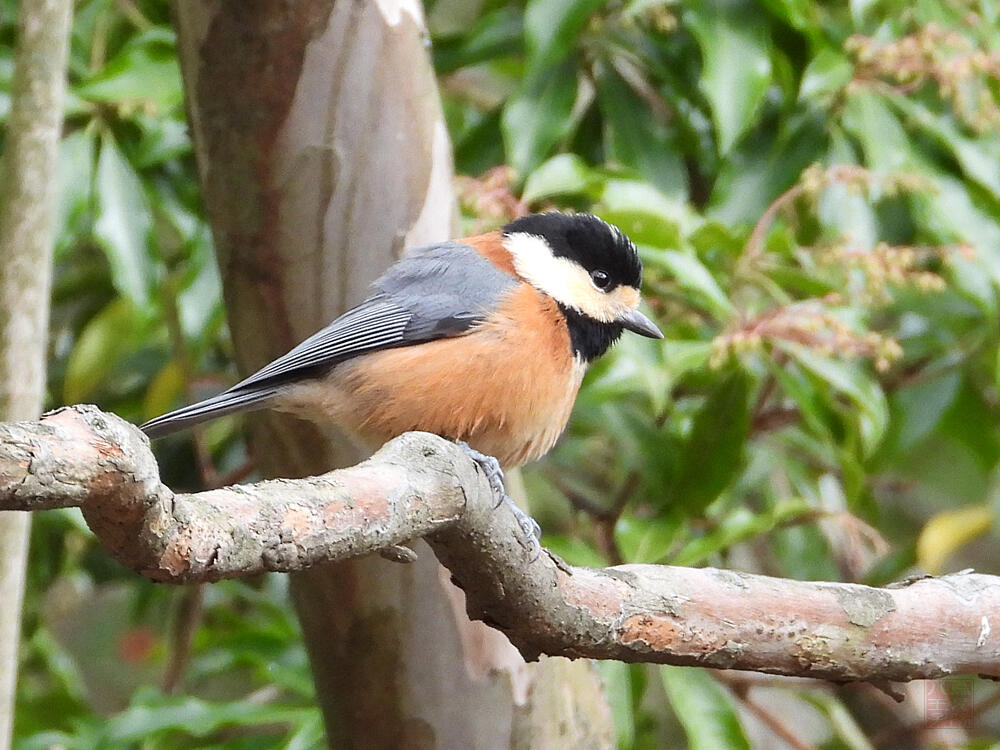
<point>323,154</point>
<point>27,200</point>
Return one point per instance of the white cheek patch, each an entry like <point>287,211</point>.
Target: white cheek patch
<point>565,281</point>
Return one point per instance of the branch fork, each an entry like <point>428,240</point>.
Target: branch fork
<point>420,485</point>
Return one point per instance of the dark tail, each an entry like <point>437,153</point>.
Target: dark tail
<point>228,402</point>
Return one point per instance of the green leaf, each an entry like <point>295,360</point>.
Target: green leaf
<point>574,551</point>
<point>200,302</point>
<point>886,145</point>
<point>6,81</point>
<point>952,215</point>
<point>494,35</point>
<point>850,379</point>
<point>480,145</point>
<point>645,214</point>
<point>563,174</point>
<point>968,278</point>
<point>849,215</point>
<point>802,14</point>
<point>805,550</point>
<point>538,116</point>
<point>164,140</point>
<point>617,680</point>
<point>797,385</point>
<point>144,72</point>
<point>123,223</point>
<point>712,455</point>
<point>694,278</point>
<point>714,238</point>
<point>918,409</point>
<point>750,177</point>
<point>164,391</point>
<point>739,526</point>
<point>636,364</point>
<point>634,138</point>
<point>860,9</point>
<point>681,357</point>
<point>153,713</point>
<point>76,182</point>
<point>703,709</point>
<point>736,68</point>
<point>647,540</point>
<point>843,723</point>
<point>978,156</point>
<point>104,341</point>
<point>996,371</point>
<point>825,75</point>
<point>309,735</point>
<point>551,28</point>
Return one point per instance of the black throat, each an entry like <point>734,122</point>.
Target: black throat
<point>589,338</point>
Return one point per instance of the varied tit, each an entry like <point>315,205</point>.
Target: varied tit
<point>482,340</point>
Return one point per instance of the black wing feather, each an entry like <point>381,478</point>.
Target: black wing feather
<point>376,323</point>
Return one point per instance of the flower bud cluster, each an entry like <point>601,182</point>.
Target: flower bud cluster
<point>490,198</point>
<point>964,73</point>
<point>886,266</point>
<point>812,324</point>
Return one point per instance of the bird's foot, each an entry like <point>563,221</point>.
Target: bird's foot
<point>491,468</point>
<point>494,474</point>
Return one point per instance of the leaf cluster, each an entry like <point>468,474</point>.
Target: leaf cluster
<point>814,191</point>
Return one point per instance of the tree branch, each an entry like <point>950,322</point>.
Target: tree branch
<point>422,485</point>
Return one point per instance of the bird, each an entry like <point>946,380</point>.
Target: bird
<point>483,340</point>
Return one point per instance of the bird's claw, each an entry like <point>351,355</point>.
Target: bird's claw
<point>491,468</point>
<point>529,526</point>
<point>494,474</point>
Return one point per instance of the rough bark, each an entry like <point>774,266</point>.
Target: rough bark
<point>27,198</point>
<point>421,485</point>
<point>323,154</point>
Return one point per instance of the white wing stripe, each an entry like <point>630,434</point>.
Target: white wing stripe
<point>356,339</point>
<point>365,327</point>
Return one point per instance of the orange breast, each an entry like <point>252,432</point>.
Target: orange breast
<point>506,388</point>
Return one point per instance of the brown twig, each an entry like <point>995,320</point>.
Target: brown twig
<point>755,244</point>
<point>605,518</point>
<point>578,501</point>
<point>741,689</point>
<point>182,634</point>
<point>774,419</point>
<point>607,545</point>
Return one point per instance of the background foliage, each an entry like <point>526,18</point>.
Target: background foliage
<point>814,187</point>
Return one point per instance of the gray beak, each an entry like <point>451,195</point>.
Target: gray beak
<point>636,322</point>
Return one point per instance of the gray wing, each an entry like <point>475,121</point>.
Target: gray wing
<point>434,292</point>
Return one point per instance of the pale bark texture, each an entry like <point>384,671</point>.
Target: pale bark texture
<point>323,155</point>
<point>422,485</point>
<point>27,200</point>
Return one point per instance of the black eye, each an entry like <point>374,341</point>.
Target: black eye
<point>601,279</point>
